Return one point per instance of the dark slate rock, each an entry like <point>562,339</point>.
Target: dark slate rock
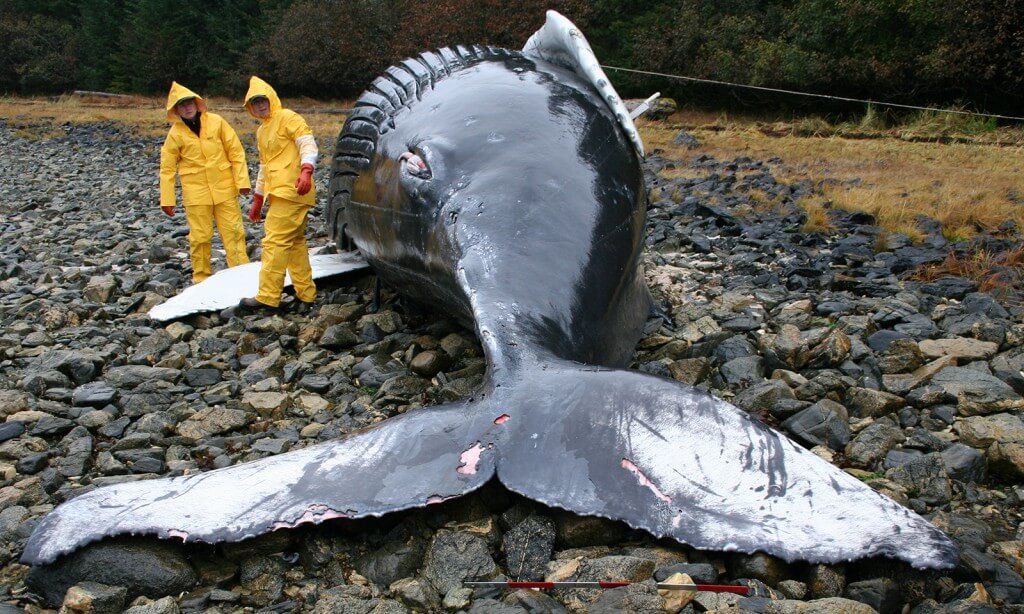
<point>10,430</point>
<point>51,426</point>
<point>684,138</point>
<point>493,606</point>
<point>743,372</point>
<point>93,394</point>
<point>144,566</point>
<point>882,594</point>
<point>528,547</point>
<point>925,476</point>
<point>895,458</point>
<point>950,287</point>
<point>339,337</point>
<point>202,377</point>
<point>984,304</point>
<point>392,561</point>
<point>881,340</point>
<point>874,442</point>
<point>964,463</point>
<point>33,463</point>
<point>1001,581</point>
<point>824,423</point>
<point>454,557</point>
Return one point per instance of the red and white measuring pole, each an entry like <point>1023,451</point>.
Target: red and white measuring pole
<point>714,588</point>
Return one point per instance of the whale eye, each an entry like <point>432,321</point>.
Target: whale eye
<point>414,165</point>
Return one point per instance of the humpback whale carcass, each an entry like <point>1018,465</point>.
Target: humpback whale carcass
<point>505,187</point>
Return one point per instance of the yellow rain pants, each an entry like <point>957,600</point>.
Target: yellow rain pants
<point>284,249</point>
<point>200,235</point>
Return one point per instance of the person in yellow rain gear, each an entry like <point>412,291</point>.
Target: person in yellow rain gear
<point>203,149</point>
<point>288,154</point>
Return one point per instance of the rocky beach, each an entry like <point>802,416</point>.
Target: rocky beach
<point>913,386</point>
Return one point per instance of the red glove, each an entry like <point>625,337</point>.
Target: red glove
<point>257,206</point>
<point>244,191</point>
<point>305,180</point>
<point>169,211</point>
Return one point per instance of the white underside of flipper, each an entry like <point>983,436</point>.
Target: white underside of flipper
<point>560,42</point>
<point>225,288</point>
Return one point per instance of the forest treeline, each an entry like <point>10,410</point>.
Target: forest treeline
<point>935,52</point>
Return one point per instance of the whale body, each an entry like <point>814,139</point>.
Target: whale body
<point>526,221</point>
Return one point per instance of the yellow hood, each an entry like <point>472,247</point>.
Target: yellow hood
<point>259,87</point>
<point>177,93</point>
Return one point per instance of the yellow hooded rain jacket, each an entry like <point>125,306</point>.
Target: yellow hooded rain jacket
<point>280,157</point>
<point>212,165</point>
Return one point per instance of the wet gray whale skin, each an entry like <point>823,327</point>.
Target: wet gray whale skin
<point>529,226</point>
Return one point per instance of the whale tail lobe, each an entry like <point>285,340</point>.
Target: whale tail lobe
<point>677,462</point>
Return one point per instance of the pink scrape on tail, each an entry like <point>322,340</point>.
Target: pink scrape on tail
<point>183,535</point>
<point>435,499</point>
<point>470,459</point>
<point>642,479</point>
<point>502,419</point>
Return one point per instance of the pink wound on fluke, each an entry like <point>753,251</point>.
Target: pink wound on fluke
<point>644,481</point>
<point>502,419</point>
<point>470,459</point>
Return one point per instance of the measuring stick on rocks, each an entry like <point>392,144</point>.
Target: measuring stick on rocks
<point>714,588</point>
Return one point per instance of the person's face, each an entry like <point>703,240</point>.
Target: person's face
<point>261,107</point>
<point>186,108</point>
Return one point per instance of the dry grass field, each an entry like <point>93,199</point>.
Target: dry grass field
<point>969,181</point>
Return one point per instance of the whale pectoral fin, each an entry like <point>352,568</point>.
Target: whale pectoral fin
<point>424,456</point>
<point>678,462</point>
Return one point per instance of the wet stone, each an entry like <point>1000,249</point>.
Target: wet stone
<point>453,557</point>
<point>528,547</point>
<point>93,394</point>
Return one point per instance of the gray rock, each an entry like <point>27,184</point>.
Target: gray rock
<point>925,479</point>
<point>416,593</point>
<point>701,573</point>
<point>743,372</point>
<point>873,443</point>
<point>165,605</point>
<point>391,562</point>
<point>868,403</point>
<point>262,578</point>
<point>212,421</point>
<point>93,394</point>
<point>764,396</point>
<point>131,376</point>
<point>202,377</point>
<point>976,393</point>
<point>882,594</point>
<point>824,581</point>
<point>640,598</point>
<point>824,423</point>
<point>338,337</point>
<point>455,556</point>
<point>10,430</point>
<point>95,597</point>
<point>528,547</point>
<point>964,464</point>
<point>760,566</point>
<point>143,566</point>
